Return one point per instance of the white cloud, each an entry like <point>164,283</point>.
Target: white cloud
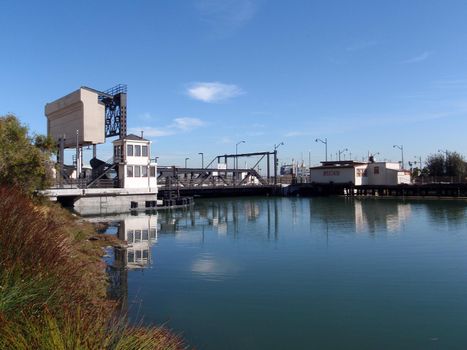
<point>419,58</point>
<point>213,91</point>
<point>145,116</point>
<point>152,132</point>
<point>226,16</point>
<point>187,124</point>
<point>177,126</point>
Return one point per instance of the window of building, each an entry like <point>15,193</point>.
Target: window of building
<point>137,236</point>
<point>144,151</point>
<point>131,256</point>
<point>376,170</point>
<point>145,254</point>
<point>137,171</point>
<point>152,171</point>
<point>129,150</point>
<point>138,255</point>
<point>118,153</point>
<point>137,151</point>
<point>144,171</point>
<point>129,170</point>
<point>152,233</point>
<point>145,236</point>
<point>130,236</point>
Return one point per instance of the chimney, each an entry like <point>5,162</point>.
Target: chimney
<point>142,133</point>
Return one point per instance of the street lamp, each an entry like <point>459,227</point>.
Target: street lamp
<point>419,158</point>
<point>401,147</point>
<point>186,162</point>
<point>236,153</point>
<point>325,147</point>
<point>340,152</point>
<point>278,145</point>
<point>446,152</point>
<point>202,159</point>
<point>371,156</point>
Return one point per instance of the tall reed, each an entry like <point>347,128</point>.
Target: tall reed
<point>53,287</point>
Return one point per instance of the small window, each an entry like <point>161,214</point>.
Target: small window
<point>130,236</point>
<point>129,170</point>
<point>137,236</point>
<point>137,151</point>
<point>131,256</point>
<point>138,255</point>
<point>129,150</point>
<point>145,236</point>
<point>133,205</point>
<point>144,171</point>
<point>152,171</point>
<point>376,170</point>
<point>137,171</point>
<point>144,151</point>
<point>145,254</point>
<point>150,204</point>
<point>152,233</point>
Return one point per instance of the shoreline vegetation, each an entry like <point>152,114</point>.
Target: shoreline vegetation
<point>53,284</point>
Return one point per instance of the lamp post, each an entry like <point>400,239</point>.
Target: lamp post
<point>401,147</point>
<point>186,162</point>
<point>278,145</point>
<point>372,156</point>
<point>236,153</point>
<point>202,159</point>
<point>325,147</point>
<point>446,152</point>
<point>340,152</point>
<point>275,160</point>
<point>419,158</point>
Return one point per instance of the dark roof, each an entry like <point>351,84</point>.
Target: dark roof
<point>134,137</point>
<point>336,166</point>
<point>341,163</point>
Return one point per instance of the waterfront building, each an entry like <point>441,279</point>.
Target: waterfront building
<point>359,173</point>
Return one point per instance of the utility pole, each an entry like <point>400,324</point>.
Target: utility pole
<point>325,147</point>
<point>401,147</point>
<point>202,159</point>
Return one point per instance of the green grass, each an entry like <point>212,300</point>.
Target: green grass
<point>53,284</point>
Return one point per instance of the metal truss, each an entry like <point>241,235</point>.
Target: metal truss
<point>115,100</point>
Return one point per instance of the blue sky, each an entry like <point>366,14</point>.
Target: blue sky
<point>205,74</point>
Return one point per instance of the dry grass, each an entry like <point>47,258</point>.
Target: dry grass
<point>53,284</point>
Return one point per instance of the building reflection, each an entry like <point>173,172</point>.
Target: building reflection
<point>364,215</point>
<point>225,217</point>
<point>140,233</point>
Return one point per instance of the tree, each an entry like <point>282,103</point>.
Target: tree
<point>455,164</point>
<point>435,164</point>
<point>452,164</point>
<point>24,159</point>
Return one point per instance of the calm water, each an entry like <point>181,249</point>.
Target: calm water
<point>301,273</point>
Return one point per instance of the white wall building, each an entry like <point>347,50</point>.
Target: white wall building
<point>359,173</point>
<point>136,170</point>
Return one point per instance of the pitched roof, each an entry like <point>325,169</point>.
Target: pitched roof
<point>134,137</point>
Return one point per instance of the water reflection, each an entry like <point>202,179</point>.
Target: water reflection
<point>226,217</point>
<point>451,213</point>
<point>138,230</point>
<point>302,265</point>
<point>361,215</point>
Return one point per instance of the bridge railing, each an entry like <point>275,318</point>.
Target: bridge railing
<point>420,180</point>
